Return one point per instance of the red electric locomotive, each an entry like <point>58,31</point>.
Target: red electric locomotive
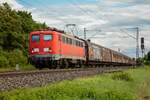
<point>53,49</point>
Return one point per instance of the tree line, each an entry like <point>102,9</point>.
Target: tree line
<point>15,27</point>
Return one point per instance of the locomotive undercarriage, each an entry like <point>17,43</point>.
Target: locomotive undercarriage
<point>52,63</point>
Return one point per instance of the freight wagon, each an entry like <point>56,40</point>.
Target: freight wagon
<point>99,55</point>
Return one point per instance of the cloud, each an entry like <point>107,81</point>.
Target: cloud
<point>13,3</point>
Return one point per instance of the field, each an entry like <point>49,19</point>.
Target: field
<point>133,84</point>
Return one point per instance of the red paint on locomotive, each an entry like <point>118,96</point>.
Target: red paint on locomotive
<point>52,45</point>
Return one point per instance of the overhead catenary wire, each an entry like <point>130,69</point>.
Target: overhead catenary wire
<point>84,11</point>
<point>77,2</point>
<point>127,34</point>
<point>90,14</point>
<point>39,8</point>
<point>120,29</point>
<point>132,35</point>
<point>80,8</point>
<point>147,43</point>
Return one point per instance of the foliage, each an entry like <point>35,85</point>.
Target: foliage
<point>147,57</point>
<point>15,27</point>
<point>147,62</point>
<point>3,61</point>
<point>101,87</point>
<point>10,59</point>
<point>16,57</point>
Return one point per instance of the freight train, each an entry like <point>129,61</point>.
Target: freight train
<point>57,49</point>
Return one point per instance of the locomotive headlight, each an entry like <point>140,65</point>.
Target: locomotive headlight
<point>35,50</point>
<point>47,50</point>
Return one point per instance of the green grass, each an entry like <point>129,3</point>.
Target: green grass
<point>122,76</point>
<point>21,68</point>
<point>100,87</point>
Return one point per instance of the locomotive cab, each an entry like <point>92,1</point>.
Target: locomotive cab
<point>54,49</point>
<point>40,43</point>
<point>43,47</point>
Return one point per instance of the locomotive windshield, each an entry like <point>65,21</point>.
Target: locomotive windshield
<point>47,37</point>
<point>35,38</point>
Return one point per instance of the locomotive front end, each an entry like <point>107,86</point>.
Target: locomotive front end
<point>42,48</point>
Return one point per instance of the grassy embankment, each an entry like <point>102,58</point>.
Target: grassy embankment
<point>129,85</point>
<point>21,68</point>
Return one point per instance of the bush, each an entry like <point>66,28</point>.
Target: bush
<point>147,62</point>
<point>3,61</point>
<point>16,57</point>
<point>122,76</point>
<point>10,59</point>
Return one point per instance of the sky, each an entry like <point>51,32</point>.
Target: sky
<point>113,20</point>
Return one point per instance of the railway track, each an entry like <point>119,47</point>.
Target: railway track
<point>15,80</point>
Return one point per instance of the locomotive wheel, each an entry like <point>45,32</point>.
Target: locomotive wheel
<point>38,66</point>
<point>53,65</point>
<point>58,65</point>
<point>78,65</point>
<point>81,64</point>
<point>61,64</point>
<point>65,64</point>
<point>72,65</point>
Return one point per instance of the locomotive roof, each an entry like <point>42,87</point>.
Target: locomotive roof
<point>59,32</point>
